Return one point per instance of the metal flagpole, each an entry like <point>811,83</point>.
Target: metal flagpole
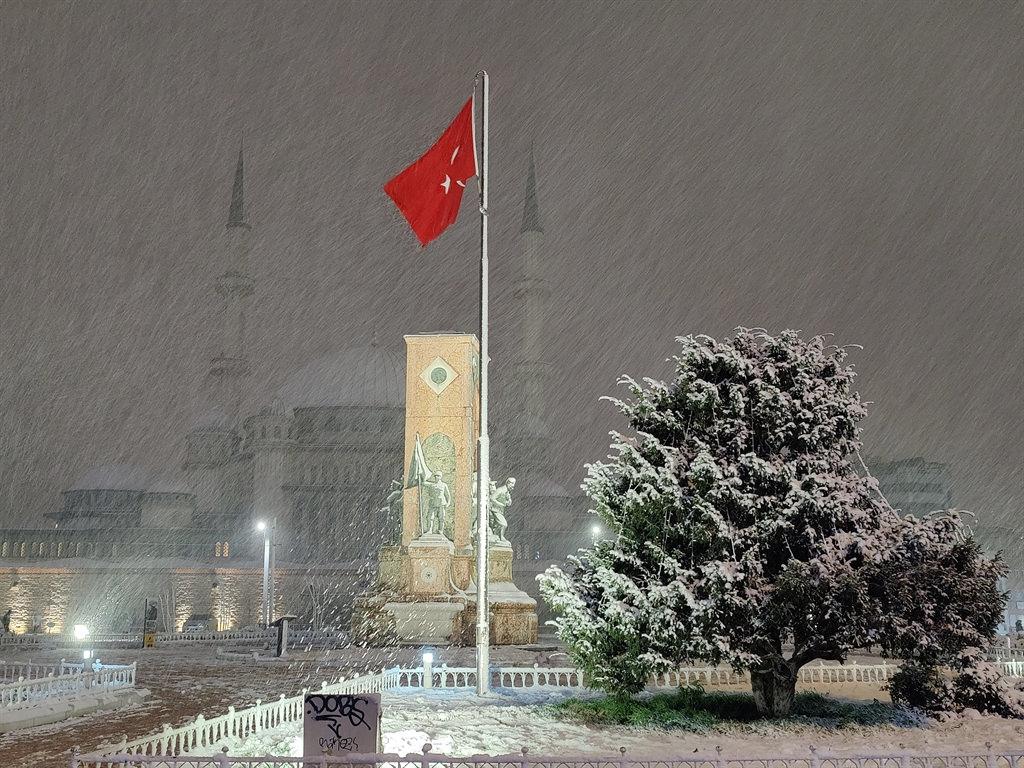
<point>483,675</point>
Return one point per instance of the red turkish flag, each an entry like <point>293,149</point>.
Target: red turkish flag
<point>429,192</point>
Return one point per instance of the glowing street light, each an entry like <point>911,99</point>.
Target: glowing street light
<point>268,555</point>
<point>80,631</point>
<point>595,530</point>
<point>428,669</point>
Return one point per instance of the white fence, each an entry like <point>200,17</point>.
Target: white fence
<point>98,678</point>
<point>26,641</point>
<point>570,677</point>
<point>1001,653</point>
<point>205,734</point>
<point>1003,758</point>
<point>12,673</point>
<point>296,638</point>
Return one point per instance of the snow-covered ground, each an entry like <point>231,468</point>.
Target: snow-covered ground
<point>456,723</point>
<point>188,681</point>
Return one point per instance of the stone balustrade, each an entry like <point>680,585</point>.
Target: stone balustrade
<point>1002,757</point>
<point>25,692</point>
<point>11,673</point>
<point>205,734</point>
<point>27,641</point>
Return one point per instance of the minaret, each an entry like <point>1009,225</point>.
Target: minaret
<point>230,365</point>
<point>534,293</point>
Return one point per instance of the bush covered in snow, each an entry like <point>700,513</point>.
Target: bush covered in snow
<point>970,682</point>
<point>693,709</point>
<point>740,525</point>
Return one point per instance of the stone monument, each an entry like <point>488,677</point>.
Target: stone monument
<point>425,591</point>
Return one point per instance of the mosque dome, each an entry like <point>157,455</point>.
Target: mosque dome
<point>549,488</point>
<point>113,477</point>
<point>211,417</point>
<point>169,482</point>
<point>356,376</point>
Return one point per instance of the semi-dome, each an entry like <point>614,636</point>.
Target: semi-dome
<point>361,376</point>
<point>169,482</point>
<point>210,417</point>
<point>113,477</point>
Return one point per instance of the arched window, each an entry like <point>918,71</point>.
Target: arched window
<point>216,550</point>
<point>226,550</point>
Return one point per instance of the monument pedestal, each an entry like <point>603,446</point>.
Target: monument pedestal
<point>430,564</point>
<point>425,622</point>
<point>423,605</point>
<point>425,592</point>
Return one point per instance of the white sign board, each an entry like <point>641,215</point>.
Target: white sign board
<point>341,724</point>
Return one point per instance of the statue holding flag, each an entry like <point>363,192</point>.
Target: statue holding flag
<point>439,500</point>
<point>435,498</point>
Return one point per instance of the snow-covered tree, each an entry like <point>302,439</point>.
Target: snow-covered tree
<point>743,533</point>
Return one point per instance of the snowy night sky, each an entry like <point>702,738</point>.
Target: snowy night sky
<point>851,168</point>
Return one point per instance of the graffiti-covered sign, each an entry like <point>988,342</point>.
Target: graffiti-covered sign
<point>341,724</point>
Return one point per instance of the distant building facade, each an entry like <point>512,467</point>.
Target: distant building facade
<point>914,486</point>
<point>317,462</point>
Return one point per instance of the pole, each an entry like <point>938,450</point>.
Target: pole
<point>273,566</point>
<point>145,621</point>
<point>483,674</point>
<point>266,578</point>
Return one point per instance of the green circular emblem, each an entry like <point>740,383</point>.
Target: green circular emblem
<point>438,375</point>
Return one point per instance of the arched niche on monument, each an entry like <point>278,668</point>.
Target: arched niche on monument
<point>439,452</point>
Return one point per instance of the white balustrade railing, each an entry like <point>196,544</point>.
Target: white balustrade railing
<point>239,724</point>
<point>204,733</point>
<point>27,641</point>
<point>1012,757</point>
<point>501,677</point>
<point>221,636</point>
<point>12,673</point>
<point>97,678</point>
<point>1003,652</point>
<point>1011,668</point>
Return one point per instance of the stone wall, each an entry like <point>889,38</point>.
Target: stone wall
<point>110,597</point>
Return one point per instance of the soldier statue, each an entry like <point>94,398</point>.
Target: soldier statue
<point>7,622</point>
<point>439,501</point>
<point>392,509</point>
<point>499,500</point>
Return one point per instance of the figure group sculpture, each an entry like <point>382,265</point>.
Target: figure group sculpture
<point>435,501</point>
<point>434,513</point>
<point>499,500</point>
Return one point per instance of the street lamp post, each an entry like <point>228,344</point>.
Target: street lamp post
<point>268,567</point>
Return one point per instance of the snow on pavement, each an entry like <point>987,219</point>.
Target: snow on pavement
<point>455,722</point>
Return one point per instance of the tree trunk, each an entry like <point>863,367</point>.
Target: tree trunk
<point>774,688</point>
